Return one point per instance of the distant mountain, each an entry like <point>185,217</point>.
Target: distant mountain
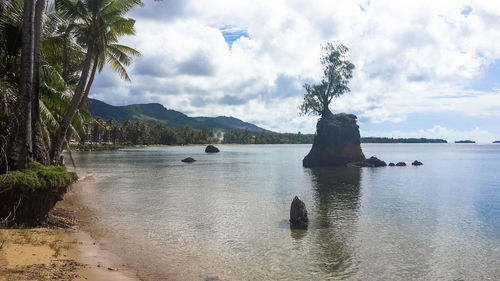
<point>496,142</point>
<point>155,112</point>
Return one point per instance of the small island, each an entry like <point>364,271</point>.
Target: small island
<point>400,140</point>
<point>465,141</point>
<point>496,142</point>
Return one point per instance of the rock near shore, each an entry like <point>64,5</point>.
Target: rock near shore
<point>298,214</point>
<point>188,160</point>
<point>371,162</point>
<point>211,149</point>
<point>336,143</point>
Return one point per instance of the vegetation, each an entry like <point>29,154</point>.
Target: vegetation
<point>50,52</point>
<point>28,195</point>
<point>110,135</point>
<point>337,71</point>
<point>36,177</point>
<point>48,61</point>
<point>465,141</point>
<point>401,140</point>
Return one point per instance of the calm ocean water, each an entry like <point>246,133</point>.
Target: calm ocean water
<point>224,216</point>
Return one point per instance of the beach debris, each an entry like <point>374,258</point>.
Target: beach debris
<point>211,149</point>
<point>401,164</point>
<point>392,164</point>
<point>298,214</point>
<point>417,163</point>
<point>188,160</point>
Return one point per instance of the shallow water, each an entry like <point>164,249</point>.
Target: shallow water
<point>224,216</point>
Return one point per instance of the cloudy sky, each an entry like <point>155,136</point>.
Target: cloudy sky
<point>423,68</point>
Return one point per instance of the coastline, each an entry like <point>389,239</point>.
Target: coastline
<point>59,250</point>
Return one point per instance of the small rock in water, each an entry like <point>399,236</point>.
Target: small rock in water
<point>211,149</point>
<point>298,214</point>
<point>375,162</point>
<point>401,164</point>
<point>417,163</point>
<point>370,162</point>
<point>188,160</point>
<point>392,164</point>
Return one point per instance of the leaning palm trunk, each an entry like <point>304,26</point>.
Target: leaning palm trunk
<point>21,152</point>
<point>40,153</point>
<point>69,133</point>
<point>89,83</point>
<point>57,144</point>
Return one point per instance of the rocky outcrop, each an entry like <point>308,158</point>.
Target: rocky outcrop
<point>417,163</point>
<point>188,160</point>
<point>392,164</point>
<point>401,164</point>
<point>336,143</point>
<point>298,214</point>
<point>211,149</point>
<point>371,162</point>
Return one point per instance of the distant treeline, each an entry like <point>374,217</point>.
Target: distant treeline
<point>134,132</point>
<point>401,140</point>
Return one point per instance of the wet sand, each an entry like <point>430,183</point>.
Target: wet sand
<point>60,250</point>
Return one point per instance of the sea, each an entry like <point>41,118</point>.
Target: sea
<point>225,216</point>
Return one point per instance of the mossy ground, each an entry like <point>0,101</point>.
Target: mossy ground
<point>37,177</point>
<point>27,196</point>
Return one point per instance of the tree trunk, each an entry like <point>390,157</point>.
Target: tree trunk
<point>22,148</point>
<point>69,133</point>
<point>40,153</point>
<point>57,144</point>
<point>89,83</point>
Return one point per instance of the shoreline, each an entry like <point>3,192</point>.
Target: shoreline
<point>61,249</point>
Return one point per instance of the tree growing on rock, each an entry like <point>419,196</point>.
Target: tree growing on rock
<point>337,71</point>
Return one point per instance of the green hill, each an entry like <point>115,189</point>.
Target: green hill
<point>155,112</point>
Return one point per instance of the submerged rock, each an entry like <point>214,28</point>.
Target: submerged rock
<point>392,164</point>
<point>188,160</point>
<point>298,214</point>
<point>336,143</point>
<point>401,164</point>
<point>417,163</point>
<point>211,149</point>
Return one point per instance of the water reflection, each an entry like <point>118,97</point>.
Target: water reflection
<point>336,212</point>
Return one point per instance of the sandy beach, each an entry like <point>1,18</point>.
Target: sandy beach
<point>59,250</point>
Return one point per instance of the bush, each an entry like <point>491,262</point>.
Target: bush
<point>32,192</point>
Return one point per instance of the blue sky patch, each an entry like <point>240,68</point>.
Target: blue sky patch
<point>466,11</point>
<point>232,33</point>
<point>489,79</point>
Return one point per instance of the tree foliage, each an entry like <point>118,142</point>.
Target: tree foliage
<point>337,71</point>
<point>49,55</point>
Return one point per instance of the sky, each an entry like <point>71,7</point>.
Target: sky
<point>423,68</point>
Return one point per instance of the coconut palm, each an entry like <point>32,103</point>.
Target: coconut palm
<point>99,24</point>
<point>52,91</point>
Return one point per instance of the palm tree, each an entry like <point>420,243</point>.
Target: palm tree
<point>51,93</point>
<point>99,24</point>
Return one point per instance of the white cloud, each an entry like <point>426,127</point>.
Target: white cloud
<point>410,57</point>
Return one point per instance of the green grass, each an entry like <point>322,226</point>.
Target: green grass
<point>37,177</point>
